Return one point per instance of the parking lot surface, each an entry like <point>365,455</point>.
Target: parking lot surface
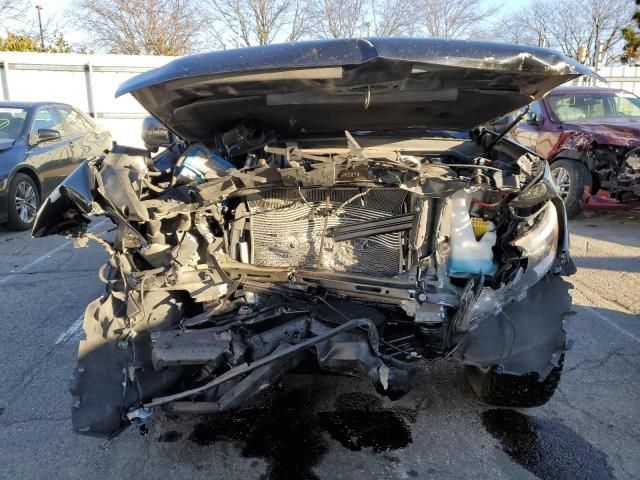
<point>330,427</point>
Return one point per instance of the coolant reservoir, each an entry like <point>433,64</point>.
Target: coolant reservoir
<point>469,255</point>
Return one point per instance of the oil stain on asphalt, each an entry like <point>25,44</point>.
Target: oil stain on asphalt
<point>286,431</point>
<point>547,448</point>
<point>360,422</point>
<point>169,437</point>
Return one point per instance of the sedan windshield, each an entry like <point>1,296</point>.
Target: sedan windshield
<point>11,122</point>
<point>569,107</point>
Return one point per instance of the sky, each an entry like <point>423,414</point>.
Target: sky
<point>55,10</point>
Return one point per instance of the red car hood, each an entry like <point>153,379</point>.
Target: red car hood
<point>621,132</point>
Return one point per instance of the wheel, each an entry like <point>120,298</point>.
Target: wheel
<point>23,201</point>
<point>571,177</point>
<point>516,391</point>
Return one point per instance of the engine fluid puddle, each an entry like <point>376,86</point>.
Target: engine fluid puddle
<point>360,422</point>
<point>169,437</point>
<point>283,431</point>
<point>289,435</point>
<point>547,448</point>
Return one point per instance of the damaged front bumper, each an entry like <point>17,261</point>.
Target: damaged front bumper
<point>220,285</point>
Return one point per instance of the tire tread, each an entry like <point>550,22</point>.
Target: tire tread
<point>504,390</point>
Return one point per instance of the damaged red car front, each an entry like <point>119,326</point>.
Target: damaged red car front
<point>590,135</point>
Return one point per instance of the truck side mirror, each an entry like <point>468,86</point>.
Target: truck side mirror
<point>155,134</point>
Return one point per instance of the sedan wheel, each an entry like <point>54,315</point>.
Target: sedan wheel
<point>26,202</point>
<point>570,178</point>
<point>562,179</point>
<point>23,201</point>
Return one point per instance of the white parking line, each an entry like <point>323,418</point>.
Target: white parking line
<point>71,331</point>
<point>623,331</point>
<point>44,257</point>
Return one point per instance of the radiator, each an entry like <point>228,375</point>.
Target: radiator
<point>287,226</point>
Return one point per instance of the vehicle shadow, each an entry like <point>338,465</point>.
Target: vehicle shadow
<point>619,264</point>
<point>626,321</point>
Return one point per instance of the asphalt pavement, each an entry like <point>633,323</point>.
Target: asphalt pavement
<point>329,428</point>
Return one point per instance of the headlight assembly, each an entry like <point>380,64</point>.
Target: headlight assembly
<point>539,246</point>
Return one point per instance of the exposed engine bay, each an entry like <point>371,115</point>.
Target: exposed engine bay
<point>617,170</point>
<point>238,261</point>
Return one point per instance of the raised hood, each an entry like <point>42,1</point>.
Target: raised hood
<point>359,84</point>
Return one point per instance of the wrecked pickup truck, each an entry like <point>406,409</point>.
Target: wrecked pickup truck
<point>317,207</point>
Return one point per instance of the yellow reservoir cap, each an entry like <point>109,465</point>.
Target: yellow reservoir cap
<point>480,226</point>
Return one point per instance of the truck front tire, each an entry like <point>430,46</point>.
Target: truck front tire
<point>517,391</point>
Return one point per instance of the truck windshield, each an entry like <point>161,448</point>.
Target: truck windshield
<point>569,107</point>
<point>11,122</point>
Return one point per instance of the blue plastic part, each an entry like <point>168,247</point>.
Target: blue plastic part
<point>221,160</point>
<point>485,267</point>
<point>214,161</point>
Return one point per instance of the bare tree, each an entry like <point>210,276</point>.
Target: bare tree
<point>339,18</point>
<point>453,18</point>
<point>243,23</point>
<point>608,25</point>
<point>394,17</point>
<point>140,27</point>
<point>569,25</point>
<point>13,9</point>
<point>527,27</point>
<point>510,28</point>
<point>299,19</point>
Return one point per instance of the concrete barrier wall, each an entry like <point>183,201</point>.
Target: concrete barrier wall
<point>626,78</point>
<point>90,81</point>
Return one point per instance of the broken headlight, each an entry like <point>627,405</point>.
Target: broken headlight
<point>539,246</point>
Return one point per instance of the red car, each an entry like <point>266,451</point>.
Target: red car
<point>590,136</point>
